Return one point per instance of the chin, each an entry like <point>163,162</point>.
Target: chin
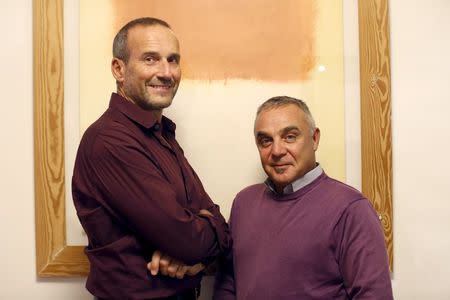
<point>157,105</point>
<point>163,101</point>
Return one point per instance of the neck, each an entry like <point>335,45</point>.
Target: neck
<point>279,189</point>
<point>157,113</point>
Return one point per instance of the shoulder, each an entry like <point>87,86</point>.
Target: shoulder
<point>109,131</point>
<point>360,210</point>
<point>111,122</point>
<point>249,195</point>
<point>252,191</point>
<point>333,189</point>
<point>352,211</point>
<point>349,204</point>
<point>333,198</point>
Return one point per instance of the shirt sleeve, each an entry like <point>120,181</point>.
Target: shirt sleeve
<point>362,253</point>
<point>218,223</point>
<point>133,188</point>
<point>224,285</point>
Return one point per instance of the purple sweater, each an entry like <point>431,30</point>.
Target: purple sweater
<point>323,241</point>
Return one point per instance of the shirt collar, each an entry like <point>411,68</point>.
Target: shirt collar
<point>297,184</point>
<point>143,117</point>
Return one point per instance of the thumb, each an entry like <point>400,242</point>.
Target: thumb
<point>153,266</point>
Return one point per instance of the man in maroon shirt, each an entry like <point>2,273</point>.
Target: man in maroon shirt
<point>301,234</point>
<point>135,193</point>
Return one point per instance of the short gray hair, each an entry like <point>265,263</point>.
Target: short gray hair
<point>280,101</point>
<point>120,48</point>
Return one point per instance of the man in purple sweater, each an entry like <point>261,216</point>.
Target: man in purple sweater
<point>301,234</point>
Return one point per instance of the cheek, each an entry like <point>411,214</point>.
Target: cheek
<point>177,76</point>
<point>304,155</point>
<point>297,153</point>
<point>143,72</point>
<point>264,156</point>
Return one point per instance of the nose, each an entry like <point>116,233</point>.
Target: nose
<point>278,148</point>
<point>164,69</point>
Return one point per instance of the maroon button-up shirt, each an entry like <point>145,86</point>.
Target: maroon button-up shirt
<point>135,192</point>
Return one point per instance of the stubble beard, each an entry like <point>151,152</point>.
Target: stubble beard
<point>148,102</point>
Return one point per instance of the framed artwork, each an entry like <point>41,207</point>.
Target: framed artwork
<point>55,257</point>
<point>229,66</point>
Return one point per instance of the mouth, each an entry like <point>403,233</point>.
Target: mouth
<point>280,168</point>
<point>162,90</point>
<point>163,87</point>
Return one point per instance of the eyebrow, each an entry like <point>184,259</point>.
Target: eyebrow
<point>261,134</point>
<point>285,130</point>
<point>154,53</point>
<point>290,128</point>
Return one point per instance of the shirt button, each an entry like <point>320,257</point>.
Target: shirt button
<point>156,127</point>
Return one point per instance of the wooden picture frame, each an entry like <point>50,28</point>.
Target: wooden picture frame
<point>54,258</point>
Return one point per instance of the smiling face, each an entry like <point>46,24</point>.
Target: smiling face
<point>151,76</point>
<point>285,144</point>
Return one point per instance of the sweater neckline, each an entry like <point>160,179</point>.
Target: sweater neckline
<point>295,195</point>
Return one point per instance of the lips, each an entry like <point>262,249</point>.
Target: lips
<point>280,165</point>
<point>158,86</point>
<point>161,89</point>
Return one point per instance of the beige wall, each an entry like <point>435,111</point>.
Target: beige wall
<point>17,254</point>
<point>421,143</point>
<point>420,48</point>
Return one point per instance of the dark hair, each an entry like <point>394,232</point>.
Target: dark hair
<point>120,49</point>
<point>279,101</point>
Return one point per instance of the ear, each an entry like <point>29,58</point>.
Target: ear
<point>118,69</point>
<point>316,138</point>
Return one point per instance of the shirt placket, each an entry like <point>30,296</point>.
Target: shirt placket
<point>171,146</point>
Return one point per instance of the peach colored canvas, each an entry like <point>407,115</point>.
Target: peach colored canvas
<point>253,39</point>
<point>235,54</point>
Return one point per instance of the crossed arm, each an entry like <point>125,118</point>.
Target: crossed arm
<point>172,267</point>
<point>133,189</point>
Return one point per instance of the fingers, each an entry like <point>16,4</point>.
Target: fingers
<point>181,271</point>
<point>154,265</point>
<point>169,266</point>
<point>173,267</point>
<point>164,264</point>
<point>205,212</point>
<point>195,269</point>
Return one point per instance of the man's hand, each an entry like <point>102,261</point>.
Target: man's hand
<point>169,266</point>
<point>205,212</point>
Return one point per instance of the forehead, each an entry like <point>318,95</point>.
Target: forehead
<point>276,119</point>
<point>154,38</point>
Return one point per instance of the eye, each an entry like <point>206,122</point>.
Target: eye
<point>174,59</point>
<point>151,59</point>
<point>264,141</point>
<point>290,138</point>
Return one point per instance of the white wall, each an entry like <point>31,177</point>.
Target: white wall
<point>17,252</point>
<point>420,50</point>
